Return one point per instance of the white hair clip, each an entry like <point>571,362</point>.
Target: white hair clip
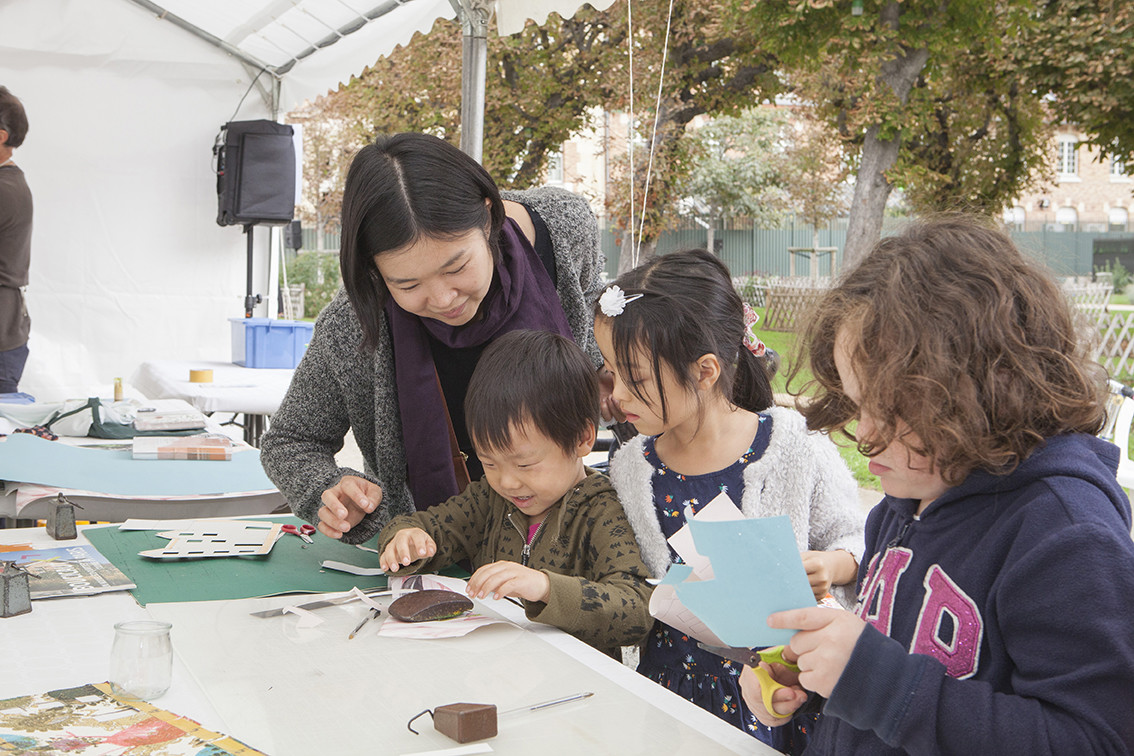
<point>614,300</point>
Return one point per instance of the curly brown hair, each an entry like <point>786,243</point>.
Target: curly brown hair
<point>954,332</point>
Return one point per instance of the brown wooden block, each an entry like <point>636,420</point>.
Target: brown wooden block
<point>465,722</point>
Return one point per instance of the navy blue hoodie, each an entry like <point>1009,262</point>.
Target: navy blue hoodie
<point>1000,621</point>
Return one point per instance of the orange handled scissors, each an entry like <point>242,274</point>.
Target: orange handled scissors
<point>304,531</point>
<point>750,658</point>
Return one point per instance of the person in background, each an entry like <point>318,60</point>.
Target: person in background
<point>993,611</point>
<point>540,526</point>
<point>436,264</point>
<point>15,244</point>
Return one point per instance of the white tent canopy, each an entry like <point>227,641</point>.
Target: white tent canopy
<point>125,99</point>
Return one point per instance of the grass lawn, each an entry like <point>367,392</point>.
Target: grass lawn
<point>784,344</point>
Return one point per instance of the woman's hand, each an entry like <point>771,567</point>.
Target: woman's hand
<point>346,503</point>
<point>823,644</point>
<point>408,545</point>
<point>503,579</point>
<point>608,405</point>
<point>827,568</point>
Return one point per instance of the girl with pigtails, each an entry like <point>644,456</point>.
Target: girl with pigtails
<point>688,373</point>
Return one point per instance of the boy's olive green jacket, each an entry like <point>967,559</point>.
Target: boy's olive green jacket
<point>586,547</point>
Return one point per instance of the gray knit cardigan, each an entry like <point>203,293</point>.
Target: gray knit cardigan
<point>800,475</point>
<point>338,385</point>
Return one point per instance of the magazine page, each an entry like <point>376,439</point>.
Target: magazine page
<point>76,570</point>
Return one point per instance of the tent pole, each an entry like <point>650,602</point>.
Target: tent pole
<point>474,15</point>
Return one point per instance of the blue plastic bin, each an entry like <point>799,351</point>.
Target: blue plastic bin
<point>267,343</point>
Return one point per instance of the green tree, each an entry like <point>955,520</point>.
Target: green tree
<point>1087,65</point>
<point>815,171</point>
<point>735,169</point>
<point>877,69</point>
<point>319,273</point>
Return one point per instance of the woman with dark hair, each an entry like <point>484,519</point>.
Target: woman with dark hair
<point>436,264</point>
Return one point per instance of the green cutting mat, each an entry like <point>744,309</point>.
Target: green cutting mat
<point>289,568</point>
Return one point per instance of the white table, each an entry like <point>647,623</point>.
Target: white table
<point>255,393</point>
<point>290,690</point>
<point>96,506</point>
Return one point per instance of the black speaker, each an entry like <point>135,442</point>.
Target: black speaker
<point>293,235</point>
<point>256,169</point>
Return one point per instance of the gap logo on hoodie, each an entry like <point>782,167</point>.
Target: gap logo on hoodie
<point>949,626</point>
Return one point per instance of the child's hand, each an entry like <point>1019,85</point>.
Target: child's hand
<point>608,405</point>
<point>503,579</point>
<point>407,546</point>
<point>785,700</point>
<point>827,568</point>
<point>823,644</point>
<point>346,503</point>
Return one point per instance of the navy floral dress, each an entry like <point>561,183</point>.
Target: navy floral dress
<point>672,658</point>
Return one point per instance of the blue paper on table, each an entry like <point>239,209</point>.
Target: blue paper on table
<point>26,458</point>
<point>757,570</point>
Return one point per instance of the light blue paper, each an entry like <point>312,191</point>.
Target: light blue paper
<point>25,458</point>
<point>757,570</point>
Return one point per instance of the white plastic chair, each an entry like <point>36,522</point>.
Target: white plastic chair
<point>1120,414</point>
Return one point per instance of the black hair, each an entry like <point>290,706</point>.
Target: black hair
<point>689,308</point>
<point>535,378</point>
<point>402,188</point>
<point>13,119</point>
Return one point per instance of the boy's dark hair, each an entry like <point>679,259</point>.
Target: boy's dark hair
<point>689,309</point>
<point>533,378</point>
<point>13,119</point>
<point>398,190</point>
<point>963,339</point>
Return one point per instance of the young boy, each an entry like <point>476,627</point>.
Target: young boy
<point>539,526</point>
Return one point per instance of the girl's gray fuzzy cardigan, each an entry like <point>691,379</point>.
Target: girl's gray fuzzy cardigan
<point>339,387</point>
<point>801,475</point>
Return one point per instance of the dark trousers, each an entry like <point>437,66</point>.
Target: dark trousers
<point>11,368</point>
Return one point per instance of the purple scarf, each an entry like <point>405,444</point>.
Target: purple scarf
<point>521,297</point>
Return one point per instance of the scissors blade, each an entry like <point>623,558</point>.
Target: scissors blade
<point>279,611</point>
<point>739,655</point>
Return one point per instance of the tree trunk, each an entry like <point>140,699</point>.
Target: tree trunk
<point>871,188</point>
<point>709,241</point>
<point>815,252</point>
<point>626,259</point>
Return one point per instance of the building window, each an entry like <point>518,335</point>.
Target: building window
<point>1118,219</point>
<point>1066,219</point>
<point>555,168</point>
<point>1067,160</point>
<point>1118,171</point>
<point>1014,218</point>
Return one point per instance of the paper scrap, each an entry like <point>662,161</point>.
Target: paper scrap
<point>720,509</point>
<point>353,569</point>
<point>450,628</point>
<point>367,599</point>
<point>758,570</point>
<point>306,618</point>
<point>254,539</point>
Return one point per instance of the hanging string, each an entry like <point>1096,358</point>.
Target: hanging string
<point>630,128</point>
<point>653,140</point>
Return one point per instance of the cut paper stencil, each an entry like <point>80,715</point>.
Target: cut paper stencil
<point>219,539</point>
<point>741,571</point>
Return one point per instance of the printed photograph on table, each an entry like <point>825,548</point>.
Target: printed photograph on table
<point>90,720</point>
<point>77,570</point>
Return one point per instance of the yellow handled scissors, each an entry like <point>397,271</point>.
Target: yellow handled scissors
<point>750,658</point>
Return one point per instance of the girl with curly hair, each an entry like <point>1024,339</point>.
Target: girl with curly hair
<point>993,609</point>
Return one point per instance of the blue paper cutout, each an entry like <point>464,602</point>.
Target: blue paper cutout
<point>26,458</point>
<point>757,570</point>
